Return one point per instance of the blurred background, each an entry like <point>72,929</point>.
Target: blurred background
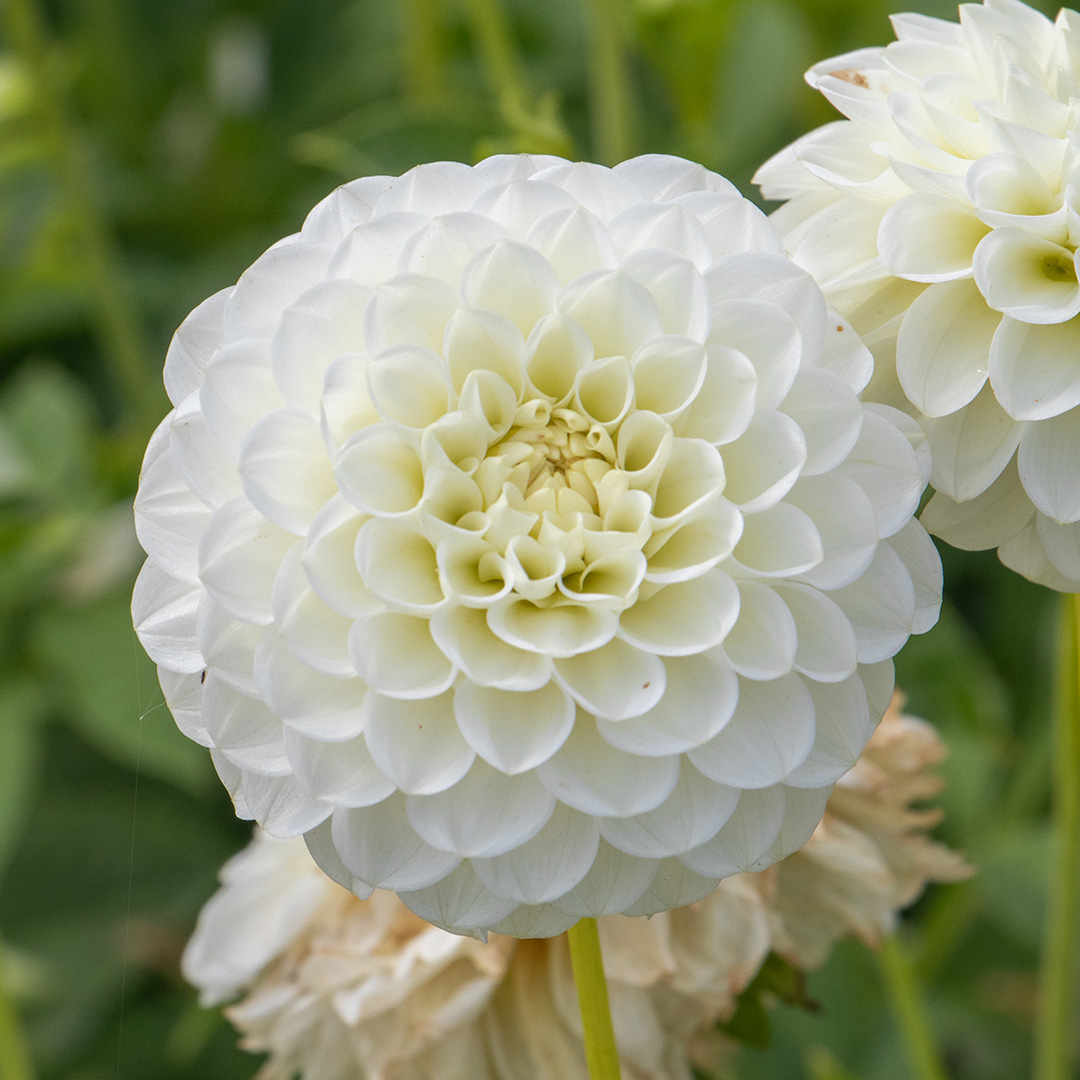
<point>149,151</point>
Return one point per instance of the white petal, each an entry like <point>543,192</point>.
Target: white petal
<point>599,189</point>
<point>678,288</point>
<point>1027,277</point>
<point>312,632</point>
<point>285,470</point>
<point>674,885</point>
<point>692,476</point>
<point>408,385</point>
<point>311,703</point>
<point>747,836</point>
<point>340,773</point>
<point>514,280</point>
<point>1033,368</point>
<point>200,459</point>
<point>548,865</point>
<point>803,810</point>
<point>701,694</point>
<point>344,208</point>
<point>782,541</point>
<point>272,283</point>
<point>380,470</point>
<point>926,237</point>
<point>464,636</point>
<point>484,814</point>
<point>653,225</point>
<point>330,563</point>
<point>1025,554</point>
<point>662,177</point>
<point>446,243</point>
<point>693,813</point>
<point>193,345</point>
<point>668,374</point>
<point>416,743</point>
<point>971,447</point>
<point>398,565</point>
<point>458,902</point>
<point>483,341</point>
<point>763,332</point>
<point>918,554</point>
<point>280,804</point>
<point>701,541</point>
<point>573,241</point>
<point>943,349</point>
<point>843,726</point>
<point>244,729</point>
<point>988,520</point>
<point>829,416</point>
<point>562,630</point>
<point>229,646</point>
<point>846,522</point>
<point>684,617</point>
<point>513,730</point>
<point>1062,546</point>
<point>880,606</point>
<point>762,642</point>
<point>884,465</point>
<point>1049,462</point>
<point>826,647</point>
<point>763,462</point>
<point>238,389</point>
<point>408,310</point>
<point>769,735</point>
<point>725,404</point>
<point>379,846</point>
<point>616,312</point>
<point>732,224</point>
<point>535,922</point>
<point>590,775</point>
<point>239,556</point>
<point>614,681</point>
<point>437,188</point>
<point>325,322</point>
<point>320,845</point>
<point>557,349</point>
<point>614,881</point>
<point>183,696</point>
<point>169,517</point>
<point>163,610</point>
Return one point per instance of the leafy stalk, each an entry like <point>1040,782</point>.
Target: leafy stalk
<point>903,992</point>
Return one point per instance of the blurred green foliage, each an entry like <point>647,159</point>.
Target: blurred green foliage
<point>148,152</point>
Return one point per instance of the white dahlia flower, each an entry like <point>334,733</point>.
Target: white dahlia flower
<point>337,988</point>
<point>518,536</point>
<point>942,218</point>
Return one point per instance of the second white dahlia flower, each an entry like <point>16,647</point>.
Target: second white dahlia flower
<point>941,217</point>
<point>519,537</point>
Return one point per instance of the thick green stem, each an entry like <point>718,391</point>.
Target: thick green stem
<point>609,83</point>
<point>601,1054</point>
<point>910,1012</point>
<point>1057,985</point>
<point>118,325</point>
<point>14,1054</point>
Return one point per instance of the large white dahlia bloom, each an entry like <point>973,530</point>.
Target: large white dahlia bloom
<point>942,218</point>
<point>519,537</point>
<point>337,988</point>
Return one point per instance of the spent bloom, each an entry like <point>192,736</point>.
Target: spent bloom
<point>335,987</point>
<point>943,217</point>
<point>519,537</point>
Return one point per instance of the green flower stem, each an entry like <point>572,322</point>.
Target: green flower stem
<point>1057,988</point>
<point>14,1054</point>
<point>899,977</point>
<point>119,331</point>
<point>601,1054</point>
<point>609,83</point>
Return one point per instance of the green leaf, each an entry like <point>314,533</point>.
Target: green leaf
<point>109,690</point>
<point>22,706</point>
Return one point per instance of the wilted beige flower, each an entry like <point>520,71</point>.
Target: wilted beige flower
<point>340,987</point>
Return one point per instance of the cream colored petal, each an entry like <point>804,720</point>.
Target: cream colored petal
<point>660,225</point>
<point>408,385</point>
<point>440,187</point>
<point>458,902</point>
<point>395,654</point>
<point>590,775</point>
<point>379,846</point>
<point>697,545</point>
<point>380,470</point>
<point>416,743</point>
<point>826,648</point>
<point>513,730</point>
<point>1027,277</point>
<point>464,635</point>
<point>988,520</point>
<point>340,773</point>
<point>1025,554</point>
<point>744,839</point>
<point>763,641</point>
<point>701,694</point>
<point>557,349</point>
<point>769,735</point>
<point>724,406</point>
<point>486,813</point>
<point>1061,542</point>
<point>329,559</point>
<point>829,416</point>
<point>693,813</point>
<point>685,617</point>
<point>782,541</point>
<point>398,565</point>
<point>614,881</point>
<point>926,237</point>
<point>244,729</point>
<point>763,332</point>
<point>675,885</point>
<point>514,280</point>
<point>613,682</point>
<point>560,630</point>
<point>843,725</point>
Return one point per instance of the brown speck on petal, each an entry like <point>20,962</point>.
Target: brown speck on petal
<point>850,75</point>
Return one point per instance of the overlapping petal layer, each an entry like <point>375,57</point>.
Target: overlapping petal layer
<point>941,217</point>
<point>519,530</point>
